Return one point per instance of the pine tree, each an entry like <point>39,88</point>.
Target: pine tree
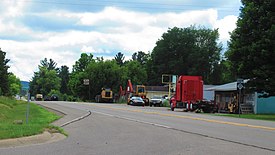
<point>4,81</point>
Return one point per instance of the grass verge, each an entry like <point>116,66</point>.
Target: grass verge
<point>267,117</point>
<point>13,119</point>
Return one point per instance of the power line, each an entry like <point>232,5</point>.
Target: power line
<point>161,4</point>
<point>133,5</point>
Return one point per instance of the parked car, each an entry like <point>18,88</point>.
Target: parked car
<point>54,97</point>
<point>138,101</point>
<point>156,101</point>
<point>47,98</point>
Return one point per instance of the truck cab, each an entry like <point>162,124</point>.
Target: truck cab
<point>189,91</point>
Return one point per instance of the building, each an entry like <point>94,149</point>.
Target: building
<point>157,91</point>
<point>227,98</point>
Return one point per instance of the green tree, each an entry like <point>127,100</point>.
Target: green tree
<point>75,84</point>
<point>119,58</point>
<point>34,87</point>
<point>105,74</point>
<point>141,57</point>
<point>101,74</point>
<point>186,51</point>
<point>4,81</point>
<point>14,84</point>
<point>136,72</point>
<point>48,80</point>
<point>64,76</point>
<point>82,62</point>
<point>51,65</point>
<point>252,46</point>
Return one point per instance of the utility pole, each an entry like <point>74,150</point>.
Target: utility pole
<point>87,83</point>
<point>28,108</point>
<point>240,86</point>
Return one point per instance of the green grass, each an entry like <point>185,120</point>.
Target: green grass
<point>267,117</point>
<point>166,103</point>
<point>121,101</point>
<point>11,110</point>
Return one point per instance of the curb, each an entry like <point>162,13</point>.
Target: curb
<point>58,112</point>
<point>43,138</point>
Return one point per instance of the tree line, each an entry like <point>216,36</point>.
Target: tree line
<point>9,84</point>
<point>179,51</point>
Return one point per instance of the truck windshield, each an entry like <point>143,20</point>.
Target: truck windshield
<point>141,90</point>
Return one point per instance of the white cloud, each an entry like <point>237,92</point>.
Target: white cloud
<point>226,25</point>
<point>111,30</point>
<point>11,11</point>
<point>13,8</point>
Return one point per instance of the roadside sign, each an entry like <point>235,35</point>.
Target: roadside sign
<point>168,78</point>
<point>174,78</point>
<point>86,81</point>
<point>240,84</point>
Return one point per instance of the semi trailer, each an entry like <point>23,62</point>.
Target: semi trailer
<point>189,95</point>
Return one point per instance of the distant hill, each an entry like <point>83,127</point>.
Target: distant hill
<point>25,85</point>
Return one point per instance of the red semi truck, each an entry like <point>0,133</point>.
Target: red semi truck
<point>189,95</point>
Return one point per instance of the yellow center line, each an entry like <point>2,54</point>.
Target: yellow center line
<point>189,117</point>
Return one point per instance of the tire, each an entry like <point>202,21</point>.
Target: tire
<point>160,104</point>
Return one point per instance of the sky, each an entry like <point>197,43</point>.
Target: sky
<point>31,30</point>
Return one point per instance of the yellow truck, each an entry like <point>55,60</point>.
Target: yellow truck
<point>106,95</point>
<point>39,97</point>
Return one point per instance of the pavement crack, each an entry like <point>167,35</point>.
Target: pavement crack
<point>77,119</point>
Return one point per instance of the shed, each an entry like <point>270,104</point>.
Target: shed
<point>224,95</point>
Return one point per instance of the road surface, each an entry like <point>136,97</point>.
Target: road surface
<point>121,129</point>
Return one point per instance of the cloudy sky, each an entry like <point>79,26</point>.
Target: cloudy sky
<point>31,30</point>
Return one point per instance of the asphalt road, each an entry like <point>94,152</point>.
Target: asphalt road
<point>121,129</point>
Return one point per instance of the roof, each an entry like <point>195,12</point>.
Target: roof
<point>156,88</point>
<point>205,87</point>
<point>226,87</point>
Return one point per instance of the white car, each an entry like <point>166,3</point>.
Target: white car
<point>156,101</point>
<point>138,101</point>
